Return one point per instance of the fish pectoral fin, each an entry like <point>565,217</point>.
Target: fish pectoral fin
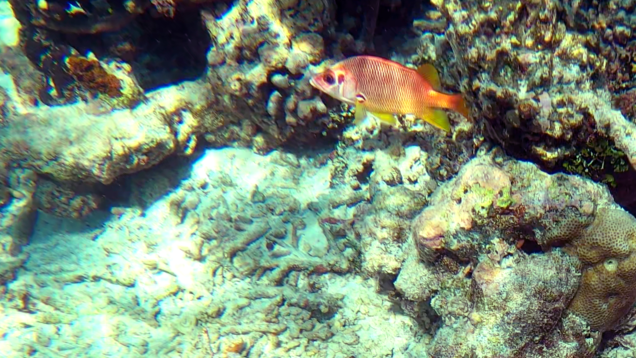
<point>387,118</point>
<point>361,113</point>
<point>430,74</point>
<point>436,117</point>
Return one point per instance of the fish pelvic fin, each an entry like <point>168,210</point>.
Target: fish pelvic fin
<point>430,74</point>
<point>387,118</point>
<point>360,115</point>
<point>436,117</point>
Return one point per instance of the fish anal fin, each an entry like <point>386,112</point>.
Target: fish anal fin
<point>430,74</point>
<point>387,118</point>
<point>436,117</point>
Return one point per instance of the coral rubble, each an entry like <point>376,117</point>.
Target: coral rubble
<point>17,215</point>
<point>227,262</point>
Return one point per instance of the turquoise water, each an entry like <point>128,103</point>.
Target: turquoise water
<point>209,179</point>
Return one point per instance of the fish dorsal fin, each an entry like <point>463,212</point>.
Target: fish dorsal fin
<point>430,74</point>
<point>436,117</point>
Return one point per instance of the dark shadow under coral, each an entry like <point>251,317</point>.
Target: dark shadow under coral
<point>161,50</point>
<point>161,179</point>
<point>172,49</point>
<point>376,24</point>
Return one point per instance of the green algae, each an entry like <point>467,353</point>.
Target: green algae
<point>599,161</point>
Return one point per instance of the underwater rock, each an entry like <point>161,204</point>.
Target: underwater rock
<point>514,304</point>
<point>72,200</point>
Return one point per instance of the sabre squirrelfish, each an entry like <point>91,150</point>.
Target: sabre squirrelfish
<point>385,88</point>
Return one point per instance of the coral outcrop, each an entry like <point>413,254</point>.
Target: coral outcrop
<point>81,111</point>
<point>542,76</point>
<point>486,221</point>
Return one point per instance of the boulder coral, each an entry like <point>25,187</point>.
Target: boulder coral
<point>498,216</point>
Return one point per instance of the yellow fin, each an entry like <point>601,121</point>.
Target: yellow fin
<point>430,74</point>
<point>387,118</point>
<point>436,117</point>
<point>361,113</point>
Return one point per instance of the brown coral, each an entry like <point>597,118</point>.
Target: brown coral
<point>91,75</point>
<point>608,247</point>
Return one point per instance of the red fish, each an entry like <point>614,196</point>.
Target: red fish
<point>385,88</point>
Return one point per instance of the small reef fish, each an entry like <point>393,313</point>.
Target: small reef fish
<point>384,88</point>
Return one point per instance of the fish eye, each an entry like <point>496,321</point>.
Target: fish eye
<point>329,79</point>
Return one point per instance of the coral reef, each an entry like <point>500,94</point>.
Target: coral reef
<point>90,99</point>
<point>391,242</point>
<point>267,254</point>
<point>539,77</point>
<point>483,221</point>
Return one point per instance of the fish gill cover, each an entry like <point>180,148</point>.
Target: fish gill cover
<point>172,185</point>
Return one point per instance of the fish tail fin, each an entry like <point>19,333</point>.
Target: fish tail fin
<point>458,104</point>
